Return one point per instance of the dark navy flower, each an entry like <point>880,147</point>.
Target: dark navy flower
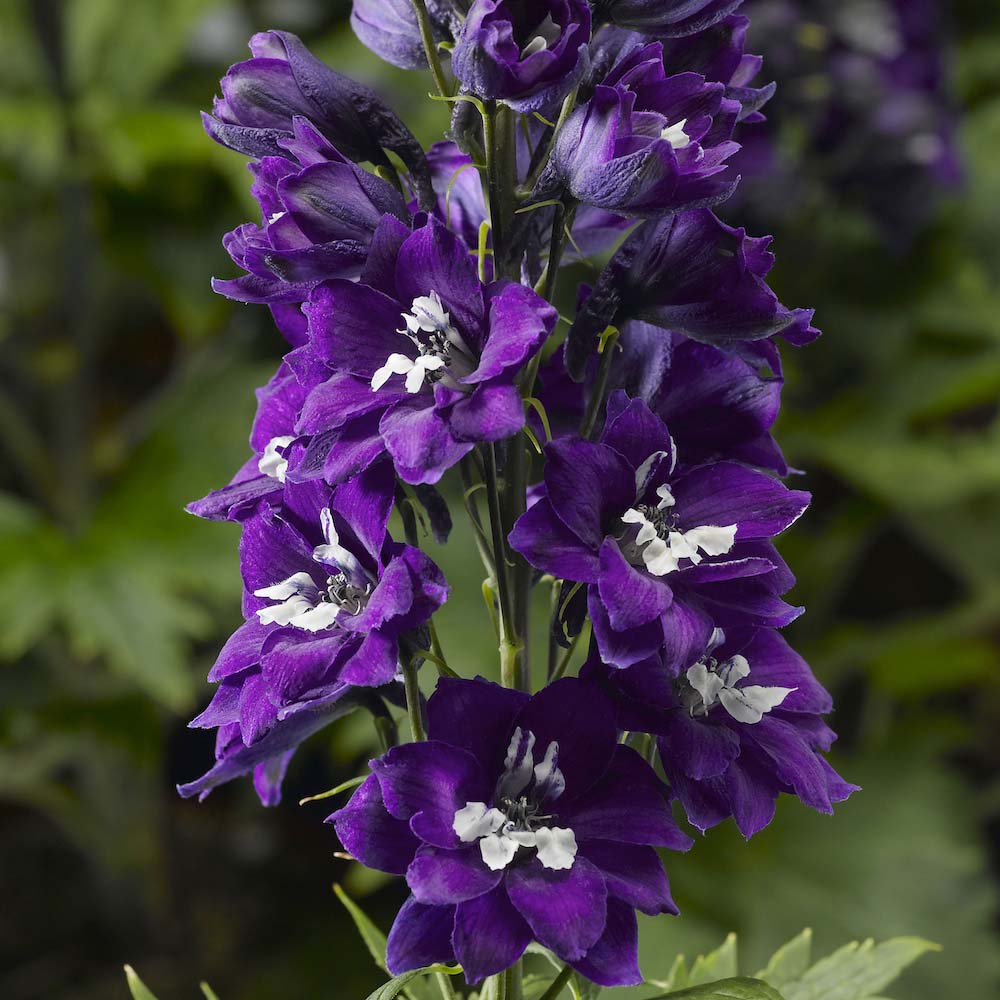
<point>740,726</point>
<point>694,275</point>
<point>319,212</point>
<point>667,555</point>
<point>390,29</point>
<point>526,53</point>
<point>521,818</point>
<point>646,143</point>
<point>664,18</point>
<point>328,598</point>
<point>261,97</point>
<point>422,359</point>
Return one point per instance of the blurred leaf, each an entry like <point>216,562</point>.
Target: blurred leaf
<point>726,989</point>
<point>857,971</point>
<point>374,939</point>
<point>208,992</point>
<point>789,962</point>
<point>136,986</point>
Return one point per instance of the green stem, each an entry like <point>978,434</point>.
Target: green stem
<point>411,684</point>
<point>520,573</point>
<point>600,388</point>
<point>563,664</point>
<point>430,48</point>
<point>444,985</point>
<point>558,984</point>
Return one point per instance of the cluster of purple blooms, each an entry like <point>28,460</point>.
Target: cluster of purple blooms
<point>417,302</point>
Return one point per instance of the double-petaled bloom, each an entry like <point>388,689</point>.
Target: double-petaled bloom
<point>329,598</point>
<point>646,143</point>
<point>521,818</point>
<point>527,53</point>
<point>421,359</point>
<point>739,726</point>
<point>667,556</point>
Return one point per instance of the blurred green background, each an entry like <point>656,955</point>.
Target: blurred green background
<point>126,390</point>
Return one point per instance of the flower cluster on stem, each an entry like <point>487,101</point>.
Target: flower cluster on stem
<point>621,455</point>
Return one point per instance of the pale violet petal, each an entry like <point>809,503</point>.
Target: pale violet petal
<point>717,639</point>
<point>272,463</point>
<point>282,614</point>
<point>750,704</point>
<point>658,558</point>
<point>395,364</point>
<point>734,670</point>
<point>666,497</point>
<point>518,765</point>
<point>683,546</point>
<point>537,44</point>
<point>676,136</point>
<point>316,619</point>
<point>707,684</point>
<point>415,379</point>
<point>549,780</point>
<point>498,851</point>
<point>475,820</point>
<point>556,847</point>
<point>711,539</point>
<point>645,470</point>
<point>298,583</point>
<point>523,838</point>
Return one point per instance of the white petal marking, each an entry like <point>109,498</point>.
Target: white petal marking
<point>475,820</point>
<point>395,364</point>
<point>750,704</point>
<point>272,463</point>
<point>497,851</point>
<point>556,847</point>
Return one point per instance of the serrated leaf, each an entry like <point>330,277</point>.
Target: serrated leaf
<point>396,985</point>
<point>858,970</point>
<point>790,961</point>
<point>136,986</point>
<point>740,988</point>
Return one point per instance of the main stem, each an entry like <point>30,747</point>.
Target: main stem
<point>430,47</point>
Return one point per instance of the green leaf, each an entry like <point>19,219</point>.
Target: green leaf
<point>136,986</point>
<point>207,992</point>
<point>373,938</point>
<point>725,989</point>
<point>718,964</point>
<point>858,971</point>
<point>790,961</point>
<point>395,986</point>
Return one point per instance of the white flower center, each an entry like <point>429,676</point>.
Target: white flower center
<point>300,602</point>
<point>676,136</point>
<point>517,821</point>
<point>545,34</point>
<point>443,354</point>
<point>273,462</point>
<point>711,682</point>
<point>662,545</point>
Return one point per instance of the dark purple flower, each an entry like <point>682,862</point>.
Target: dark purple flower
<point>694,275</point>
<point>719,54</point>
<point>647,144</point>
<point>421,358</point>
<point>329,597</point>
<point>741,725</point>
<point>521,818</point>
<point>390,29</point>
<point>667,555</point>
<point>664,18</point>
<point>261,97</point>
<point>319,212</point>
<point>526,53</point>
<point>271,439</point>
<point>717,406</point>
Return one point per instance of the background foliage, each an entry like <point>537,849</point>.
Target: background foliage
<point>125,390</point>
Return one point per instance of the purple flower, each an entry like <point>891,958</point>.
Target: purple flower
<point>390,29</point>
<point>459,191</point>
<point>664,18</point>
<point>521,818</point>
<point>421,358</point>
<point>741,725</point>
<point>320,214</point>
<point>717,406</point>
<point>647,144</point>
<point>667,555</point>
<point>329,597</point>
<point>526,53</point>
<point>719,54</point>
<point>262,96</point>
<point>692,274</point>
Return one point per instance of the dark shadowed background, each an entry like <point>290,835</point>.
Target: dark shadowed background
<point>126,390</point>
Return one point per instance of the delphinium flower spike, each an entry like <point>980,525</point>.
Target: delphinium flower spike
<point>420,295</point>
